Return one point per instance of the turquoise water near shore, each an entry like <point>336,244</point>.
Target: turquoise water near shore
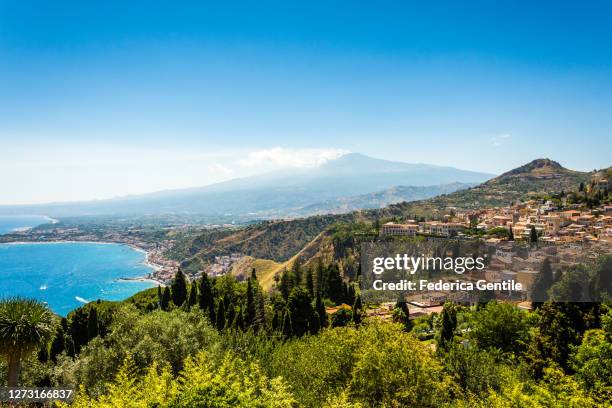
<point>68,275</point>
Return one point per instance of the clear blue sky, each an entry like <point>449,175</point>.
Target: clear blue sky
<point>151,95</point>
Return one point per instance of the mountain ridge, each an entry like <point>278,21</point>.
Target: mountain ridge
<point>270,195</point>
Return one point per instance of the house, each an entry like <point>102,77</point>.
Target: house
<point>391,228</point>
<point>446,229</point>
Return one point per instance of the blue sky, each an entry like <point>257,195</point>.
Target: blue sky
<point>99,99</point>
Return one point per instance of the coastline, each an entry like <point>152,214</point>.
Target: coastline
<point>147,262</point>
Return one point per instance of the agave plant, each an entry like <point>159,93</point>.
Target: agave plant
<point>25,325</point>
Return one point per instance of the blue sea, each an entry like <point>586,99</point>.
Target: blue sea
<point>9,223</point>
<point>68,275</point>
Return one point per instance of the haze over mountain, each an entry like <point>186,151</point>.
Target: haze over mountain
<point>275,194</point>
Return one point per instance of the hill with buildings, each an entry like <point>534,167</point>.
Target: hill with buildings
<point>275,245</point>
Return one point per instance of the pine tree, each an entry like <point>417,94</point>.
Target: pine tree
<point>320,309</point>
<point>179,288</point>
<point>193,296</point>
<point>220,323</point>
<point>166,297</point>
<point>92,323</point>
<point>287,326</point>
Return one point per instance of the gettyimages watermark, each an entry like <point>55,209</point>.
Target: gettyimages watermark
<point>469,271</point>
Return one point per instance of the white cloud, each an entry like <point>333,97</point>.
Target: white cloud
<point>220,170</point>
<point>498,140</point>
<point>282,157</point>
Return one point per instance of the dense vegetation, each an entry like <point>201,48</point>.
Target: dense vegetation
<point>220,342</point>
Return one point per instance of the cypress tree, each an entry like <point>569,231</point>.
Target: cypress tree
<point>212,314</point>
<point>543,282</point>
<point>193,296</point>
<point>231,315</point>
<point>402,305</point>
<point>79,328</point>
<point>166,297</point>
<point>239,320</point>
<point>351,294</point>
<point>299,304</point>
<point>253,274</point>
<point>449,324</point>
<point>92,323</point>
<point>285,284</point>
<point>335,285</point>
<point>205,300</point>
<point>310,282</point>
<point>179,288</point>
<point>275,321</point>
<point>250,304</point>
<point>220,324</point>
<point>357,307</point>
<point>287,326</point>
<point>319,274</point>
<point>533,236</point>
<point>320,309</point>
<point>314,325</point>
<point>296,270</point>
<point>260,311</point>
<point>58,345</point>
<point>159,296</point>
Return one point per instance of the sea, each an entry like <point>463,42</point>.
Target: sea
<point>68,275</point>
<point>9,223</point>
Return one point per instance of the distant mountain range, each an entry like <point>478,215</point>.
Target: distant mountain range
<point>350,182</point>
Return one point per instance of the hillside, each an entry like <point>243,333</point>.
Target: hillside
<point>280,241</point>
<point>272,240</point>
<point>380,199</point>
<point>540,176</point>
